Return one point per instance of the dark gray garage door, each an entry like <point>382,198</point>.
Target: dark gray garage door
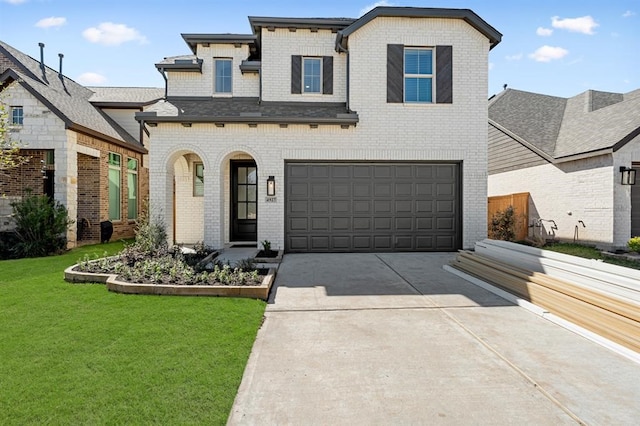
<point>365,207</point>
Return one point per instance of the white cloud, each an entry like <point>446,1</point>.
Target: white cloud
<point>491,65</point>
<point>584,24</point>
<point>91,78</point>
<point>110,34</point>
<point>628,14</point>
<point>52,21</point>
<point>548,53</point>
<point>374,5</point>
<point>515,57</point>
<point>15,1</point>
<point>544,32</point>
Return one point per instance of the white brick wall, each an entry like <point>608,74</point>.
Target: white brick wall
<point>202,84</point>
<point>445,132</point>
<point>189,209</point>
<point>583,187</point>
<point>277,48</point>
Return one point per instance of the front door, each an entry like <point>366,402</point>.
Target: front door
<point>244,201</point>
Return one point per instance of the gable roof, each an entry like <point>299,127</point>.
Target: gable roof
<point>65,98</point>
<point>421,12</point>
<point>561,128</point>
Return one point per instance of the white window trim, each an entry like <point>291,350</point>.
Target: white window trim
<point>119,169</point>
<point>215,76</point>
<point>319,92</point>
<point>432,76</point>
<point>11,109</point>
<point>133,172</point>
<point>195,171</point>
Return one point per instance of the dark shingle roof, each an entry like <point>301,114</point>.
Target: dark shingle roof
<point>134,96</point>
<point>66,98</point>
<point>587,123</point>
<point>247,110</point>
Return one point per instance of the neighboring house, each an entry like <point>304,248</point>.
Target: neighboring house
<point>84,145</point>
<point>327,134</point>
<point>569,154</point>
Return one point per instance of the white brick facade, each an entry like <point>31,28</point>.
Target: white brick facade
<point>586,190</point>
<point>398,132</point>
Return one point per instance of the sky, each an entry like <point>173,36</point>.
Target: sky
<point>559,48</point>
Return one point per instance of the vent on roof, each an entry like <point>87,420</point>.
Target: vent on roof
<point>60,55</point>
<point>44,74</point>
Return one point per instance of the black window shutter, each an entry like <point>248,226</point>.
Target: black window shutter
<point>296,74</point>
<point>327,75</point>
<point>444,75</point>
<point>395,73</point>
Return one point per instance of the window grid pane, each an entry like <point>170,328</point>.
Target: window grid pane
<point>17,115</point>
<point>312,75</point>
<point>418,81</point>
<point>223,75</point>
<point>132,202</point>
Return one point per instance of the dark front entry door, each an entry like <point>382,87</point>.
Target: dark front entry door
<point>244,199</point>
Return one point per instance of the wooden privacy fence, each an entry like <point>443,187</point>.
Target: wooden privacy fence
<point>520,203</point>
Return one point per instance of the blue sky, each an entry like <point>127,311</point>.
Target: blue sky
<point>559,48</point>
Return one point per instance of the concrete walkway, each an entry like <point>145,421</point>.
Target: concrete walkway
<point>366,339</point>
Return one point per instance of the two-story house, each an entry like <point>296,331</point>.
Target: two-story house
<point>84,146</point>
<point>324,135</point>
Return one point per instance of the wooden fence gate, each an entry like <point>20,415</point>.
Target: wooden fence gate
<point>520,203</point>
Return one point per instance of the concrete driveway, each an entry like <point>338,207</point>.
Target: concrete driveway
<point>379,339</point>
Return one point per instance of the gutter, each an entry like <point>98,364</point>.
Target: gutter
<point>152,117</point>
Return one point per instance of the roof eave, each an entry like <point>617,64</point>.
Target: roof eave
<point>193,40</point>
<point>467,15</point>
<point>150,117</point>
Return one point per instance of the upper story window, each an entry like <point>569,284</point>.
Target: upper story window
<point>223,75</point>
<point>17,115</point>
<point>418,75</point>
<point>312,75</point>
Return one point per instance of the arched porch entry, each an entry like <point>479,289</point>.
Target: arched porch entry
<point>187,199</point>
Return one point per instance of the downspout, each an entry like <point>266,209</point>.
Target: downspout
<point>166,82</point>
<point>341,49</point>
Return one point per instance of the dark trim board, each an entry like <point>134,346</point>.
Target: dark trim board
<point>364,206</point>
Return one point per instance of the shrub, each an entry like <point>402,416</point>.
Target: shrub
<point>634,244</point>
<point>41,226</point>
<point>266,246</point>
<point>503,225</point>
<point>150,241</point>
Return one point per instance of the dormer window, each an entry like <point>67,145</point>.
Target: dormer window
<point>312,75</point>
<point>223,75</point>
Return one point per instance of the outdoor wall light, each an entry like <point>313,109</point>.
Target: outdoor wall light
<point>628,176</point>
<point>271,186</point>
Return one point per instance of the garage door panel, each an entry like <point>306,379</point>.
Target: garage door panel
<point>341,206</point>
<point>382,206</point>
<point>341,224</point>
<point>362,190</point>
<point>341,190</point>
<point>382,223</point>
<point>319,190</point>
<point>372,207</point>
<point>403,189</point>
<point>362,223</point>
<point>299,207</point>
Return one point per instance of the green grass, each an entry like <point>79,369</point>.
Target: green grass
<point>78,354</point>
<point>591,253</point>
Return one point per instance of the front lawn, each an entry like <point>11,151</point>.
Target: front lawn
<point>78,354</point>
<point>591,253</point>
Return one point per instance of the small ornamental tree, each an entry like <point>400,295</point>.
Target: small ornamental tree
<point>9,148</point>
<point>503,225</point>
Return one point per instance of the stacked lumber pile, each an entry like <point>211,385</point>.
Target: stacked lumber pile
<point>613,314</point>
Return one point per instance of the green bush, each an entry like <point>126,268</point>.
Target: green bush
<point>634,244</point>
<point>41,226</point>
<point>503,225</point>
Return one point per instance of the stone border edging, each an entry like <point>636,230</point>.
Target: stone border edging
<point>113,284</point>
